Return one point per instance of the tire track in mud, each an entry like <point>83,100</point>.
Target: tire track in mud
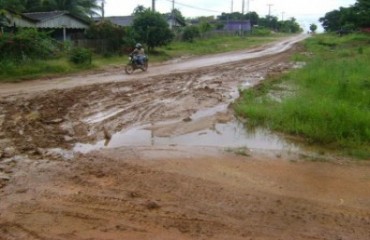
<point>80,114</point>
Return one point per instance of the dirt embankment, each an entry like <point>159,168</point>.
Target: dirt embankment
<point>48,191</point>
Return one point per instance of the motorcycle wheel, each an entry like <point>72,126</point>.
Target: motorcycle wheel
<point>129,69</point>
<point>145,67</point>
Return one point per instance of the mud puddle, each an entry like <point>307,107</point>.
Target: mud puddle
<point>229,134</point>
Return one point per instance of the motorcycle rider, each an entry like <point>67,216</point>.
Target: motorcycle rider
<point>138,54</point>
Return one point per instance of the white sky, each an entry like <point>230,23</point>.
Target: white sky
<point>305,11</point>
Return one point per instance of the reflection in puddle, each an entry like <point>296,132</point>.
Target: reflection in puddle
<point>232,134</point>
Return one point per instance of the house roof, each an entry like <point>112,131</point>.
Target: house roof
<point>42,16</point>
<point>54,19</point>
<point>123,21</point>
<point>126,21</point>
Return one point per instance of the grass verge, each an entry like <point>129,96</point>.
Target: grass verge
<point>327,102</point>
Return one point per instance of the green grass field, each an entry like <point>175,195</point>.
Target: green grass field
<point>330,101</point>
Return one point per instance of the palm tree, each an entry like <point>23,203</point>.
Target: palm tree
<point>81,8</point>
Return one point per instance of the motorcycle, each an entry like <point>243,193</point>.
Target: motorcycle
<point>132,64</point>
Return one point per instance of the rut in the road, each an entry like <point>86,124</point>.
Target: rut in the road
<point>60,118</point>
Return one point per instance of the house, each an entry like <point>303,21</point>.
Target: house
<point>64,25</point>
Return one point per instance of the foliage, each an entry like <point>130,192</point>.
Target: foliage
<point>3,18</point>
<point>152,29</point>
<point>178,16</point>
<point>350,18</point>
<point>105,30</point>
<point>289,26</point>
<point>204,27</point>
<point>261,31</point>
<point>26,44</point>
<point>80,56</point>
<point>269,22</point>
<point>190,33</point>
<point>330,102</point>
<point>80,8</point>
<point>313,27</point>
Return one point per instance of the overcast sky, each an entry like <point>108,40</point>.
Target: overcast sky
<point>305,11</point>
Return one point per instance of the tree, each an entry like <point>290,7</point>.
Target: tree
<point>3,18</point>
<point>14,5</point>
<point>313,27</point>
<point>347,19</point>
<point>80,8</point>
<point>363,12</point>
<point>331,21</point>
<point>289,26</point>
<point>252,17</point>
<point>269,22</point>
<point>178,16</point>
<point>152,29</point>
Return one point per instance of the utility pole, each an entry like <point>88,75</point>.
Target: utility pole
<point>282,16</point>
<point>270,5</point>
<point>173,14</point>
<point>153,5</point>
<point>243,4</point>
<point>232,6</point>
<point>102,9</point>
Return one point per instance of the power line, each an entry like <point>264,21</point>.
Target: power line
<point>194,7</point>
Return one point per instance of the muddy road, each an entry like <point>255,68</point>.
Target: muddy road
<point>160,155</point>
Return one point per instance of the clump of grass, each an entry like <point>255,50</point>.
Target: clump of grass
<point>332,103</point>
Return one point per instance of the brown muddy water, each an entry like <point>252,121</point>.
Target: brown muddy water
<point>232,134</point>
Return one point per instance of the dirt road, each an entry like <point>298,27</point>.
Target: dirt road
<point>149,156</point>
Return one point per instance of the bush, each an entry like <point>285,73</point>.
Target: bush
<point>27,44</point>
<point>80,56</point>
<point>190,33</point>
<point>261,31</point>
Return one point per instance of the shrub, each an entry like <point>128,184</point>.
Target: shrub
<point>261,31</point>
<point>27,44</point>
<point>80,56</point>
<point>190,33</point>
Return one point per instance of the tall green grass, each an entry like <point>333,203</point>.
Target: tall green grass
<point>331,104</point>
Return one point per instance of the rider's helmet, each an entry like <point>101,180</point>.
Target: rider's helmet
<point>138,45</point>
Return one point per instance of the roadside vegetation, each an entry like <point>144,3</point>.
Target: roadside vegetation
<point>327,102</point>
